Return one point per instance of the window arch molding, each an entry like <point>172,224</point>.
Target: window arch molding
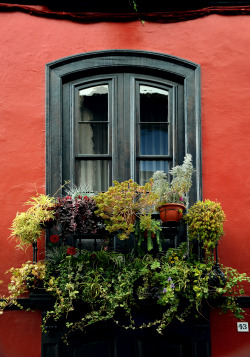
<point>62,73</point>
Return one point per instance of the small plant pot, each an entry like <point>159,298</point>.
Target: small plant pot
<point>171,212</point>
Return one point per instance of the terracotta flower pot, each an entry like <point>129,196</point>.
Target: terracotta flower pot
<point>171,212</point>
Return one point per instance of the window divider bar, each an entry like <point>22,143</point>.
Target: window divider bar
<point>92,157</point>
<point>154,157</point>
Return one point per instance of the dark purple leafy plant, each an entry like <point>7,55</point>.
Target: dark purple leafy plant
<point>76,215</point>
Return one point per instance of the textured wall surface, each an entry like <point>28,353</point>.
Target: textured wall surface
<point>220,44</point>
<point>20,334</point>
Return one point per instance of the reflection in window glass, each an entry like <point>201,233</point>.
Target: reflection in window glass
<point>153,104</point>
<point>94,103</point>
<point>148,167</point>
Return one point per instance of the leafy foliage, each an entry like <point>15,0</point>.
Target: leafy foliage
<point>112,286</point>
<point>28,226</point>
<point>121,203</point>
<point>205,222</point>
<point>177,190</point>
<point>29,275</point>
<point>76,215</point>
<point>82,190</point>
<point>150,229</point>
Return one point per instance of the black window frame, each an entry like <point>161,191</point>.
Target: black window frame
<point>63,75</point>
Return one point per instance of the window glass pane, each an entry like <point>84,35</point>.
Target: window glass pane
<point>93,103</point>
<point>153,121</point>
<point>94,174</point>
<point>148,167</point>
<point>153,104</point>
<point>93,138</point>
<point>153,139</point>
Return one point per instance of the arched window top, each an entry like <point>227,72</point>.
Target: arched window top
<point>118,59</point>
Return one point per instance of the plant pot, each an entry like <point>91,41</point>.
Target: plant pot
<point>171,212</point>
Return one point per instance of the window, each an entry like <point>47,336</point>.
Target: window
<point>115,115</point>
<point>107,126</point>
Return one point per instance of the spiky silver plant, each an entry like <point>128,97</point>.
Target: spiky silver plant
<point>177,190</point>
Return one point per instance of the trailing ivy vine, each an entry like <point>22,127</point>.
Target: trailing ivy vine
<point>113,286</point>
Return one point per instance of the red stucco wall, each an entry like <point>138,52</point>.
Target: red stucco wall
<point>226,341</point>
<point>219,44</point>
<point>20,334</point>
